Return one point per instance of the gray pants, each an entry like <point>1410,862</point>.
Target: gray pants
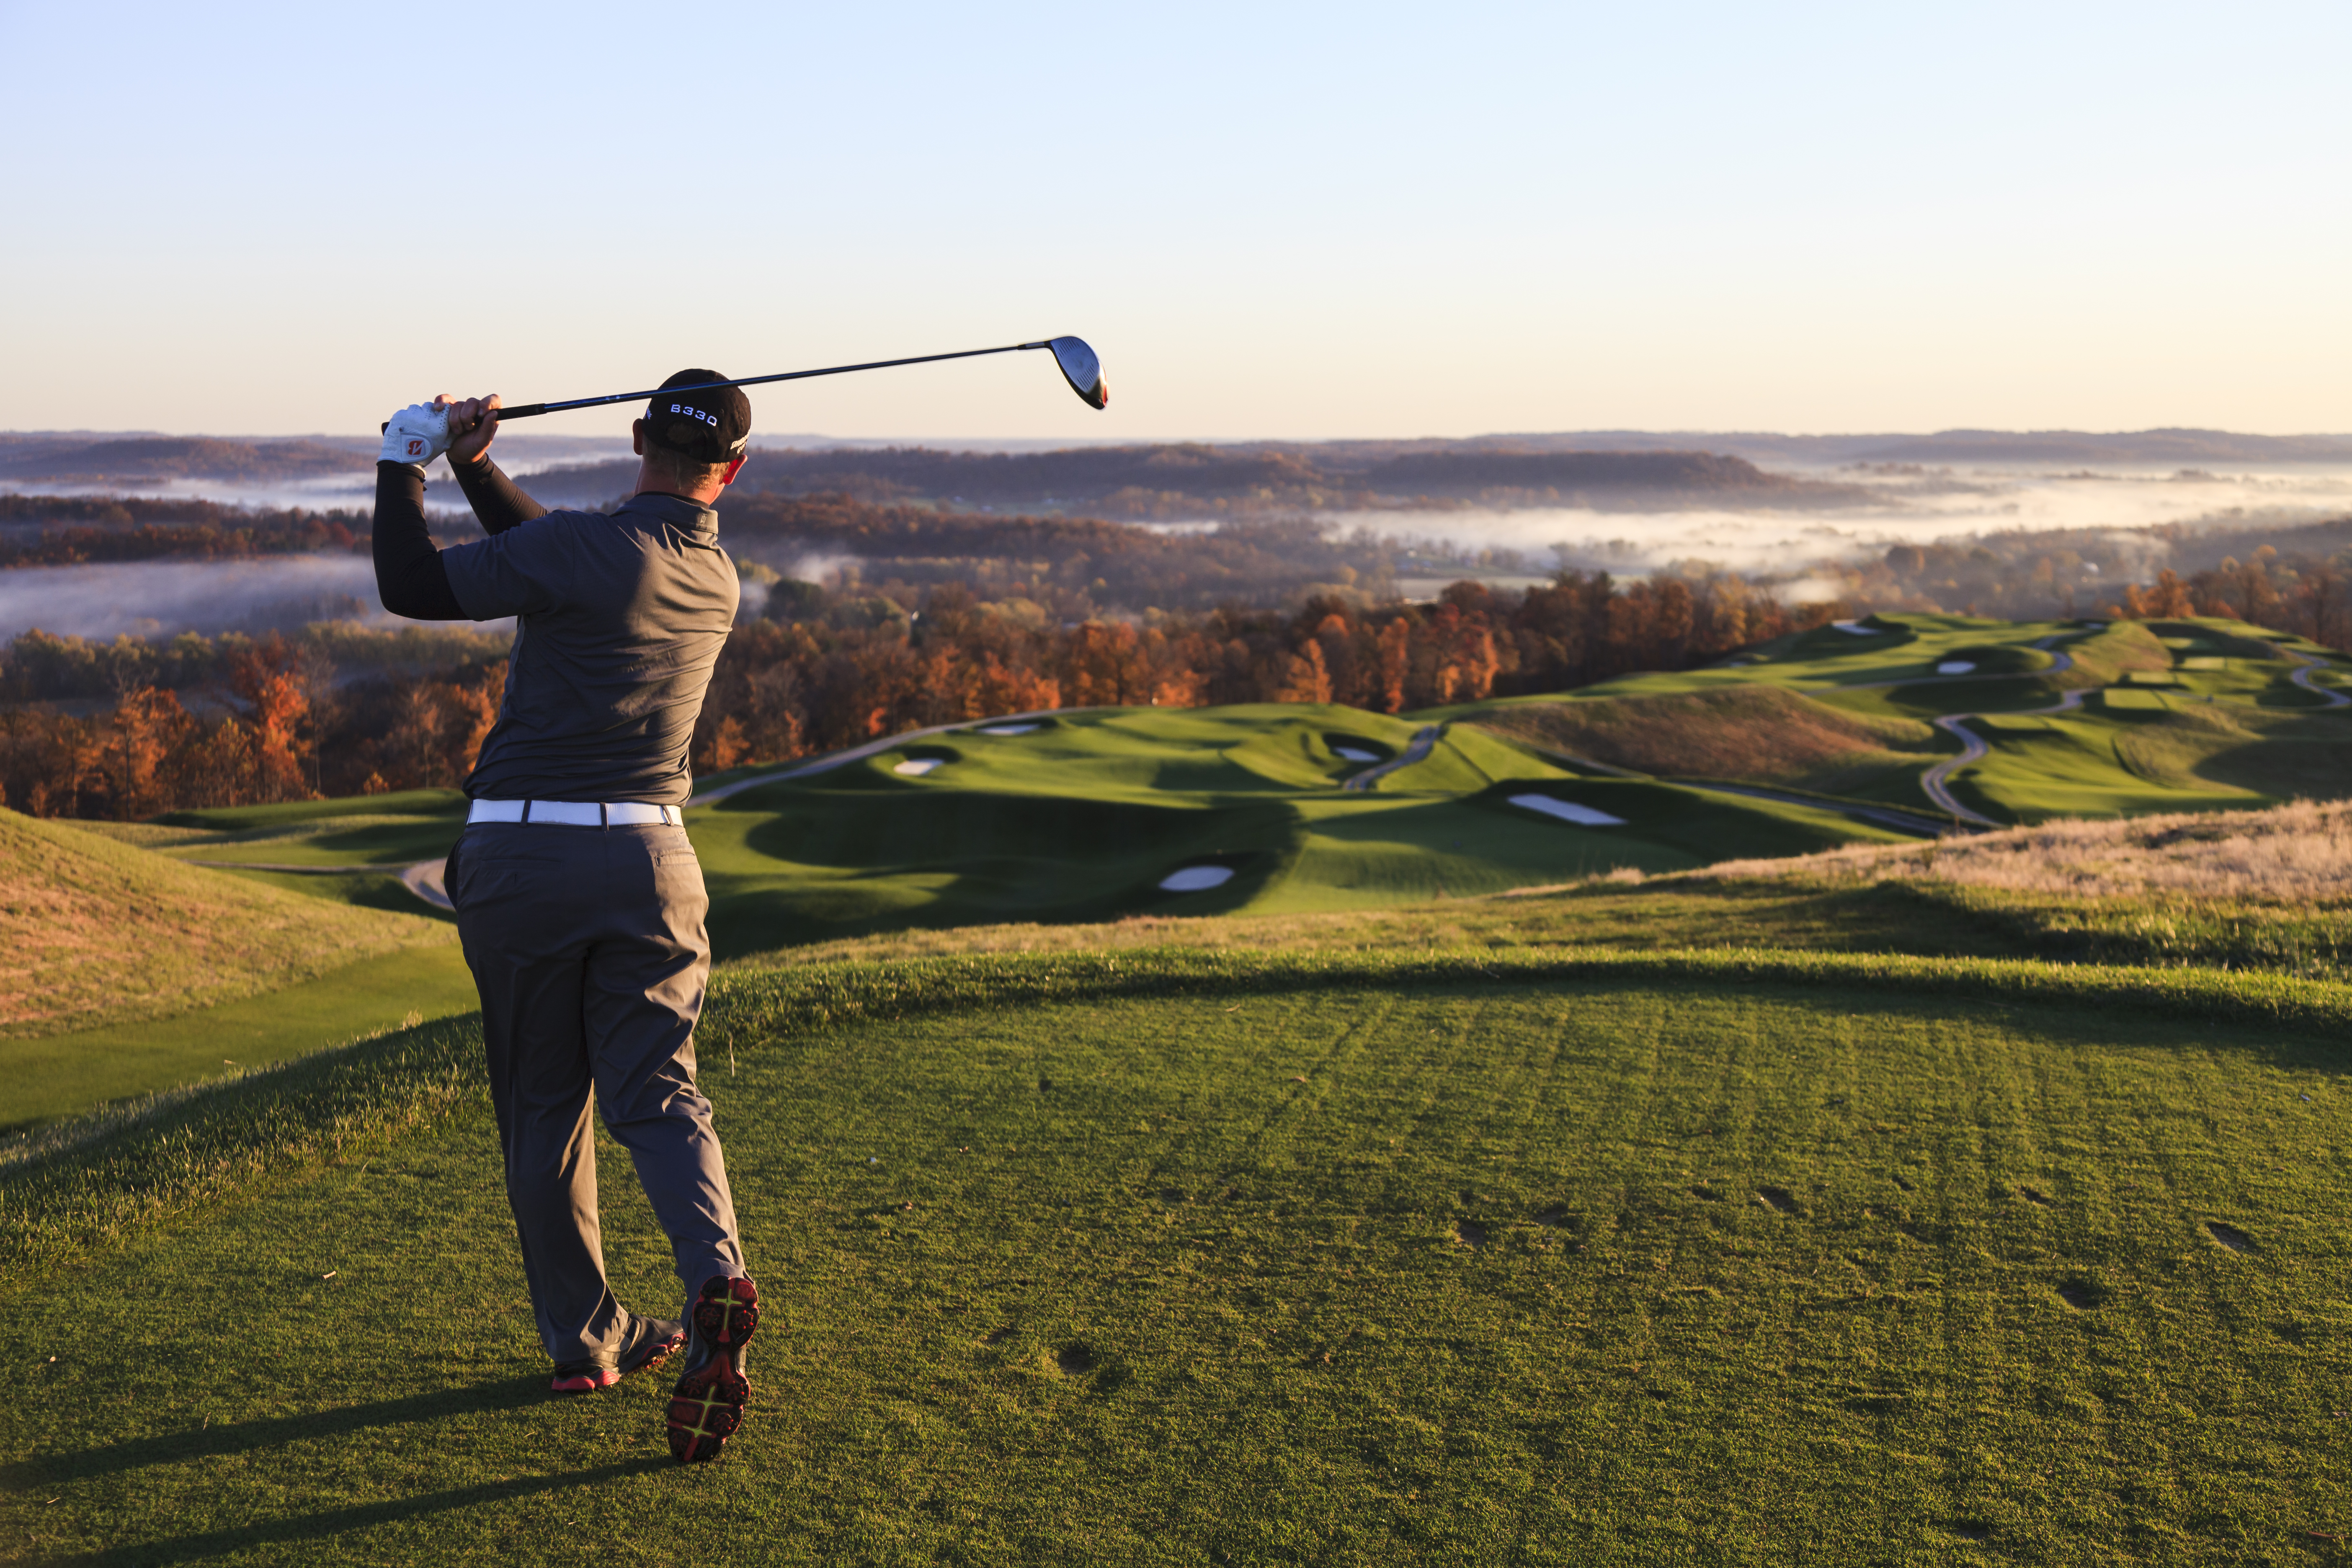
<point>588,947</point>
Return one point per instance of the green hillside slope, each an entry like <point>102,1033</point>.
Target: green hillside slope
<point>100,932</point>
<point>2079,719</point>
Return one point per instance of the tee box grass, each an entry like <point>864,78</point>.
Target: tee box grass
<point>1449,1258</point>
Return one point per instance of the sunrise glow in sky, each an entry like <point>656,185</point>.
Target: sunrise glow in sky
<point>1271,220</point>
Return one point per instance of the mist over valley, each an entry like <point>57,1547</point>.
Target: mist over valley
<point>87,519</point>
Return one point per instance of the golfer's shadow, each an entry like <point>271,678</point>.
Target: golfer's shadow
<point>248,1436</point>
<point>311,1527</point>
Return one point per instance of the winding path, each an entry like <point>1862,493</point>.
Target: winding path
<point>1424,741</point>
<point>1937,781</point>
<point>2306,667</point>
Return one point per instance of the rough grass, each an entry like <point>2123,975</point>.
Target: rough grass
<point>1754,734</point>
<point>98,931</point>
<point>1274,1258</point>
<point>2295,853</point>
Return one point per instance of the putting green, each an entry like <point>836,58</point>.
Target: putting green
<point>1677,1270</point>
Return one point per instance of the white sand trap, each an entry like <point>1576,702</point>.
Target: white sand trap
<point>1954,666</point>
<point>1568,811</point>
<point>1355,755</point>
<point>916,767</point>
<point>1007,729</point>
<point>1196,879</point>
<point>1858,631</point>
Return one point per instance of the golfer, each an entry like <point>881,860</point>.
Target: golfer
<point>579,899</point>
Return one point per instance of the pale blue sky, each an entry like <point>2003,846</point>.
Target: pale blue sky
<point>1271,220</point>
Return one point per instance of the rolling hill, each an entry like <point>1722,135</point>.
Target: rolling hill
<point>131,971</point>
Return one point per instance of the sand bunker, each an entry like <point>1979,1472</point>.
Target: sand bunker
<point>1007,729</point>
<point>1196,879</point>
<point>1954,666</point>
<point>1354,754</point>
<point>1858,631</point>
<point>1568,811</point>
<point>916,767</point>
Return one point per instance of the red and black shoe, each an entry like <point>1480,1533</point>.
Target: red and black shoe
<point>707,1405</point>
<point>650,1343</point>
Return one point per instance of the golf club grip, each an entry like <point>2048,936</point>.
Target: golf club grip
<point>519,410</point>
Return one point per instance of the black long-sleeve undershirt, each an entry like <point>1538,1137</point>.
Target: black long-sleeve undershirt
<point>409,576</point>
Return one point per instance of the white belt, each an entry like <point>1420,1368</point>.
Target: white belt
<point>574,813</point>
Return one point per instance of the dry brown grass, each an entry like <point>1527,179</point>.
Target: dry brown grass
<point>1755,734</point>
<point>98,931</point>
<point>2297,853</point>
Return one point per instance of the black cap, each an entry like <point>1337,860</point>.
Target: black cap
<point>710,426</point>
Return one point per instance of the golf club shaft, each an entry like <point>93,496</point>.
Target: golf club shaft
<point>528,410</point>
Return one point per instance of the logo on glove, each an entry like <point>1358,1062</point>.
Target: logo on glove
<point>416,449</point>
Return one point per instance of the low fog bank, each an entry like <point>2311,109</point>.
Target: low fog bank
<point>163,599</point>
<point>1941,506</point>
<point>2098,528</point>
<point>321,472</point>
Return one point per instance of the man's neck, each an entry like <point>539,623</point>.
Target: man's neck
<point>660,482</point>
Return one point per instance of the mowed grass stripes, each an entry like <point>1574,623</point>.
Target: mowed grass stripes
<point>1689,1264</point>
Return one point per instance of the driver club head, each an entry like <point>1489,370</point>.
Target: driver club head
<point>1081,369</point>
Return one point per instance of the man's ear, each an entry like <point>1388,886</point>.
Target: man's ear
<point>637,437</point>
<point>733,469</point>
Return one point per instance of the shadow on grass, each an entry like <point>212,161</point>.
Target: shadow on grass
<point>313,1527</point>
<point>245,1437</point>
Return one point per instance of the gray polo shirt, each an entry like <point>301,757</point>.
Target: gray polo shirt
<point>620,620</point>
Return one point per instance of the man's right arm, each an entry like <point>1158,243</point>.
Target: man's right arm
<point>498,502</point>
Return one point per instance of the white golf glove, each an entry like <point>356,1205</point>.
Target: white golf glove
<point>417,434</point>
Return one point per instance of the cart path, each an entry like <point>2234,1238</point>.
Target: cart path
<point>1936,779</point>
<point>2305,667</point>
<point>1423,743</point>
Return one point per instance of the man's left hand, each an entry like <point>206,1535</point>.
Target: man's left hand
<point>417,434</point>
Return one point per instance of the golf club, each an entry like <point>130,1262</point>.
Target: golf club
<point>1080,366</point>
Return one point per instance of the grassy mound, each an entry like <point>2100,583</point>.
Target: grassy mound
<point>1173,1257</point>
<point>1756,734</point>
<point>100,932</point>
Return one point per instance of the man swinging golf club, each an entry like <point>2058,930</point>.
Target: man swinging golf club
<point>579,899</point>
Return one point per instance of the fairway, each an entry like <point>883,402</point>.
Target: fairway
<point>1672,1266</point>
<point>65,1074</point>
